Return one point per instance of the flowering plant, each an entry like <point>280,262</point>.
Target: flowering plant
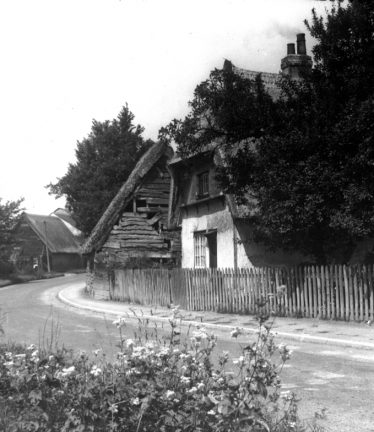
<point>164,385</point>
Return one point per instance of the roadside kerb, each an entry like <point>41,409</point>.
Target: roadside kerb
<point>304,337</point>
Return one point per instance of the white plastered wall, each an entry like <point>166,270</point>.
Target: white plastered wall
<point>216,216</point>
<point>203,217</point>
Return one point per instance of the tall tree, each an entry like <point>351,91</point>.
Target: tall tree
<point>304,162</point>
<point>10,212</point>
<point>104,160</point>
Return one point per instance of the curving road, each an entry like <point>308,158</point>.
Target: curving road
<point>339,379</point>
<point>32,314</point>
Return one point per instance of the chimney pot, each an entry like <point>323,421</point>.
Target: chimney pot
<point>290,48</point>
<point>301,47</point>
<point>296,66</point>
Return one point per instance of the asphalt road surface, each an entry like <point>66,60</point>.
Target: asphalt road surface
<point>341,380</point>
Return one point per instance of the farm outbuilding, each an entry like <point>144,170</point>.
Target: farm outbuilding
<point>133,231</point>
<point>44,242</point>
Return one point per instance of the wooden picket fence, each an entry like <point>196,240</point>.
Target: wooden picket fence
<point>327,292</point>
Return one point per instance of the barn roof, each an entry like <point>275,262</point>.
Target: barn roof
<point>53,233</point>
<point>111,215</point>
<point>64,215</point>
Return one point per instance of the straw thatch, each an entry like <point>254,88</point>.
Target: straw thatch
<point>52,232</point>
<point>270,80</point>
<point>123,197</point>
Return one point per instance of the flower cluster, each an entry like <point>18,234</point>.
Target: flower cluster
<point>161,385</point>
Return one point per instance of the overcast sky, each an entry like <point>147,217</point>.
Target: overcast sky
<point>66,62</point>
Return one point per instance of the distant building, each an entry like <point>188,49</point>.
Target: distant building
<point>70,223</point>
<point>42,242</point>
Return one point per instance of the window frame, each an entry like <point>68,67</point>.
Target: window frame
<point>200,249</point>
<point>203,184</point>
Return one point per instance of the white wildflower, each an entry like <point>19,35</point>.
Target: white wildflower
<point>170,394</point>
<point>8,355</point>
<point>286,394</point>
<point>201,386</point>
<point>130,343</point>
<point>192,390</point>
<point>119,322</point>
<point>185,380</point>
<point>20,356</point>
<point>238,361</point>
<point>200,334</point>
<point>95,371</point>
<point>113,409</point>
<point>31,347</point>
<point>121,356</point>
<point>68,371</point>
<point>164,351</point>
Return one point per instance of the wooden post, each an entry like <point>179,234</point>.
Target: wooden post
<point>361,292</point>
<point>371,292</point>
<point>366,291</point>
<point>346,284</point>
<point>46,246</point>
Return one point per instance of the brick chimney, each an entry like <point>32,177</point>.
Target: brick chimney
<point>299,64</point>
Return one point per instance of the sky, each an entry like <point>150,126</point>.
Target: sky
<point>67,62</point>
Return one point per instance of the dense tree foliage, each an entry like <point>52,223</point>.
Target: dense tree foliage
<point>104,160</point>
<point>10,212</point>
<point>225,107</point>
<point>306,160</point>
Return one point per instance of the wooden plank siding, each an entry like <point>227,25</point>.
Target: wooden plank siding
<point>326,292</point>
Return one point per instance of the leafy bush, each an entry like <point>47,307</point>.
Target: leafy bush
<point>168,385</point>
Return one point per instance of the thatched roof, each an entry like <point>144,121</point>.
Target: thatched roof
<point>216,157</point>
<point>111,215</point>
<point>52,232</point>
<point>270,80</point>
<point>64,215</point>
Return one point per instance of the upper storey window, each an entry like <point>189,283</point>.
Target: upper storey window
<point>203,184</point>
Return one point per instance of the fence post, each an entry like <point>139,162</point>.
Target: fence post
<point>371,292</point>
<point>360,293</point>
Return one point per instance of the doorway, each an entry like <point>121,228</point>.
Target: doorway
<point>212,248</point>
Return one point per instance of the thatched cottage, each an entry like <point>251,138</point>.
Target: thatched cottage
<point>215,230</point>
